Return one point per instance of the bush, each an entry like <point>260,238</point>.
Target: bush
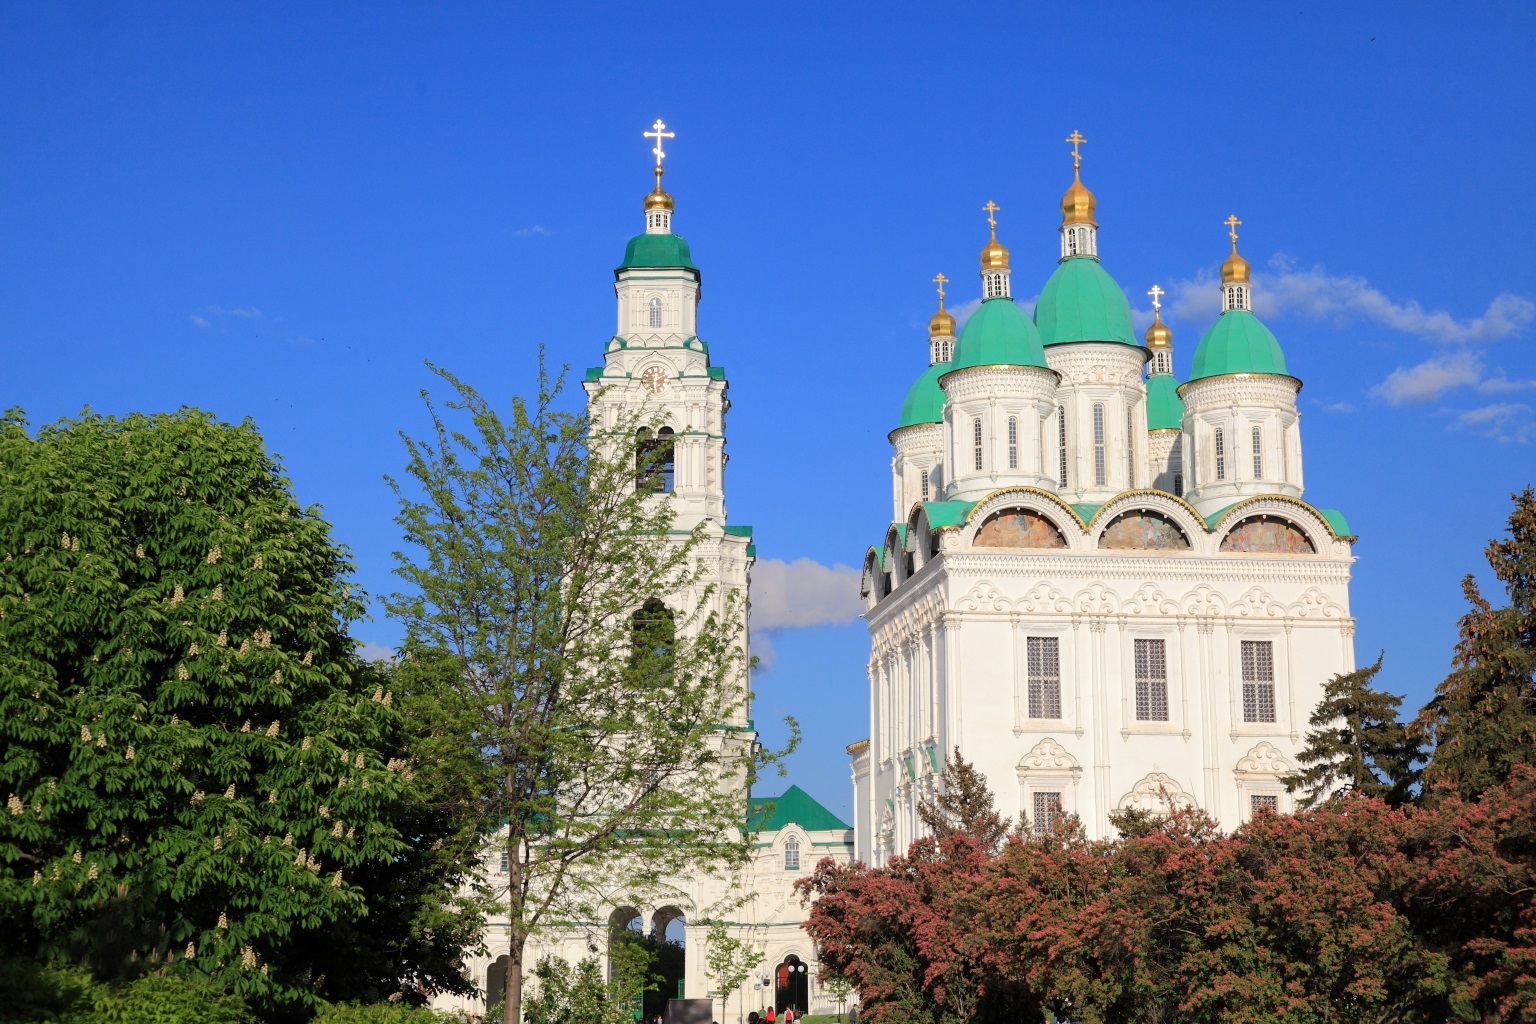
<point>31,993</point>
<point>165,999</point>
<point>377,1013</point>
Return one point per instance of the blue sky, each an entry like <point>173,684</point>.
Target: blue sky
<point>280,210</point>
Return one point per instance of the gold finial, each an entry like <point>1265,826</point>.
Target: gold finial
<point>658,199</point>
<point>941,324</point>
<point>993,255</point>
<point>1076,138</point>
<point>1077,203</point>
<point>1158,335</point>
<point>1235,269</point>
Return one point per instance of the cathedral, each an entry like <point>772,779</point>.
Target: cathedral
<point>1102,585</point>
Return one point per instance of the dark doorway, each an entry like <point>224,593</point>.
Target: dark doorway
<point>791,986</point>
<point>495,983</point>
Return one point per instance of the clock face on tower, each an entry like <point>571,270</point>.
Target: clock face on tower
<point>655,380</point>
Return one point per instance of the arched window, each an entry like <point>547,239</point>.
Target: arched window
<point>655,460</point>
<point>655,311</point>
<point>1100,471</point>
<point>653,634</point>
<point>1071,243</point>
<point>1130,447</point>
<point>1258,453</point>
<point>976,441</point>
<point>791,855</point>
<point>1178,484</point>
<point>925,485</point>
<point>1013,442</point>
<point>1061,443</point>
<point>1221,454</point>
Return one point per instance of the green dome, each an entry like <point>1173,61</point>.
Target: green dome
<point>925,399</point>
<point>1165,409</point>
<point>1081,302</point>
<point>998,334</point>
<point>657,251</point>
<point>1237,343</point>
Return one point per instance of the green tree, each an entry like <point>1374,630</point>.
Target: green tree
<point>578,996</point>
<point>194,762</point>
<point>964,804</point>
<point>729,960</point>
<point>836,988</point>
<point>1482,719</point>
<point>603,742</point>
<point>1356,745</point>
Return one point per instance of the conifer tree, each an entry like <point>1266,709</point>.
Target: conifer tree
<point>1356,744</point>
<point>964,804</point>
<point>1482,719</point>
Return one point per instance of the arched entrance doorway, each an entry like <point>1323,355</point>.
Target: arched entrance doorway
<point>666,945</point>
<point>791,985</point>
<point>496,983</point>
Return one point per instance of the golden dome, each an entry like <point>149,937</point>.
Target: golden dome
<point>657,199</point>
<point>994,256</point>
<point>1077,203</point>
<point>1158,335</point>
<point>941,325</point>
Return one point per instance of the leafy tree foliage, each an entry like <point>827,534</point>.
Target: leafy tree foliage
<point>1482,719</point>
<point>584,672</point>
<point>730,961</point>
<point>197,770</point>
<point>577,996</point>
<point>1356,745</point>
<point>1356,911</point>
<point>963,804</point>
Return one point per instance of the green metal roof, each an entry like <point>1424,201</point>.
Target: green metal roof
<point>998,334</point>
<point>1237,343</point>
<point>925,399</point>
<point>657,251</point>
<point>593,373</point>
<point>1165,409</point>
<point>796,806</point>
<point>1087,512</point>
<point>1081,302</point>
<point>947,513</point>
<point>1332,516</point>
<point>738,531</point>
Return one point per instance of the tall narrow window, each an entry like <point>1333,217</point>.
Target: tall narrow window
<point>1258,454</point>
<point>1221,454</point>
<point>1151,681</point>
<point>976,441</point>
<point>1260,804</point>
<point>1061,443</point>
<point>925,485</point>
<point>1043,654</point>
<point>655,311</point>
<point>1045,807</point>
<point>653,639</point>
<point>1071,243</point>
<point>1130,447</point>
<point>1099,469</point>
<point>1013,442</point>
<point>1258,681</point>
<point>792,855</point>
<point>1178,484</point>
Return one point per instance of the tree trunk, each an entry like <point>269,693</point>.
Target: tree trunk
<point>517,935</point>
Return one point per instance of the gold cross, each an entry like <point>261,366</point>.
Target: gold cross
<point>1076,138</point>
<point>940,280</point>
<point>990,209</point>
<point>1232,222</point>
<point>658,132</point>
<point>1157,294</point>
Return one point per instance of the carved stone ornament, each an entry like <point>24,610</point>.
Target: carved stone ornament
<point>1048,756</point>
<point>1157,792</point>
<point>1264,759</point>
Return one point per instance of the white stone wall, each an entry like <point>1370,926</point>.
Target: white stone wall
<point>1239,404</point>
<point>1106,374</point>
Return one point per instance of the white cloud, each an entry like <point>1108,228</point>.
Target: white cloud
<point>1501,383</point>
<point>1506,423</point>
<point>537,229</point>
<point>199,321</point>
<point>1337,407</point>
<point>1285,290</point>
<point>803,593</point>
<point>370,651</point>
<point>1430,379</point>
<point>247,313</point>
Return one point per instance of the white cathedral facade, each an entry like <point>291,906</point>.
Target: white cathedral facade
<point>1103,586</point>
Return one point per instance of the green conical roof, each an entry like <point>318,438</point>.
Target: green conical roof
<point>1237,343</point>
<point>657,251</point>
<point>998,334</point>
<point>1165,409</point>
<point>1081,302</point>
<point>925,399</point>
<point>771,813</point>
